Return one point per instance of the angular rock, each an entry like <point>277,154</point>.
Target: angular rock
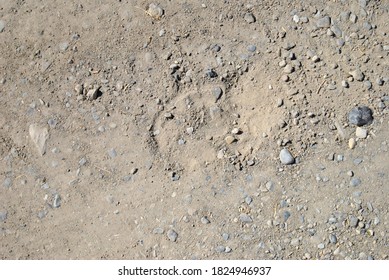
<point>357,75</point>
<point>39,136</point>
<point>361,115</point>
<point>172,235</point>
<point>324,22</point>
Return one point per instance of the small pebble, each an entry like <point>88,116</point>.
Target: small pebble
<point>112,153</point>
<point>321,246</point>
<point>361,132</point>
<point>357,75</point>
<point>228,250</point>
<point>204,220</point>
<point>333,238</point>
<point>244,218</point>
<point>230,139</point>
<point>324,22</point>
<point>357,161</point>
<point>286,157</point>
<point>172,235</point>
<point>353,221</point>
<point>249,17</point>
<point>158,231</point>
<point>355,182</point>
<point>220,249</point>
<point>225,236</point>
<point>251,48</point>
<point>7,182</point>
<point>3,215</point>
<point>352,143</point>
<point>57,201</point>
<point>217,93</point>
<point>2,25</point>
<point>286,215</point>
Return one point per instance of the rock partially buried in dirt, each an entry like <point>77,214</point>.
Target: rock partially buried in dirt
<point>286,157</point>
<point>155,11</point>
<point>360,116</point>
<point>357,75</point>
<point>94,93</point>
<point>39,136</point>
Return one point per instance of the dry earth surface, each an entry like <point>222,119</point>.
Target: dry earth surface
<point>194,129</point>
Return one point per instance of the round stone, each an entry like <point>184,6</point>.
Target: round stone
<point>286,157</point>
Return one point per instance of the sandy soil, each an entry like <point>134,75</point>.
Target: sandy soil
<point>138,131</point>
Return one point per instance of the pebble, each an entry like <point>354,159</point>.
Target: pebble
<point>333,238</point>
<point>2,25</point>
<point>7,182</point>
<point>220,249</point>
<point>324,22</point>
<point>353,221</point>
<point>249,17</point>
<point>204,220</point>
<point>3,215</point>
<point>248,200</point>
<point>360,116</point>
<point>93,94</point>
<point>355,182</point>
<point>225,236</point>
<point>357,161</point>
<point>63,46</point>
<point>39,136</point>
<point>345,84</point>
<point>368,85</point>
<point>353,18</point>
<point>357,75</point>
<point>112,153</point>
<point>295,242</point>
<point>288,69</point>
<point>158,230</point>
<point>228,250</point>
<point>352,143</point>
<point>230,139</point>
<point>286,215</point>
<point>244,218</point>
<point>57,201</point>
<point>155,11</point>
<point>172,235</point>
<point>251,48</point>
<point>217,93</point>
<point>361,132</point>
<point>321,246</point>
<point>286,157</point>
<point>210,73</point>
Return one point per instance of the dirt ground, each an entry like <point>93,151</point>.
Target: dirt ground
<point>141,130</point>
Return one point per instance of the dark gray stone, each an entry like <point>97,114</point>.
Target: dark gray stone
<point>361,115</point>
